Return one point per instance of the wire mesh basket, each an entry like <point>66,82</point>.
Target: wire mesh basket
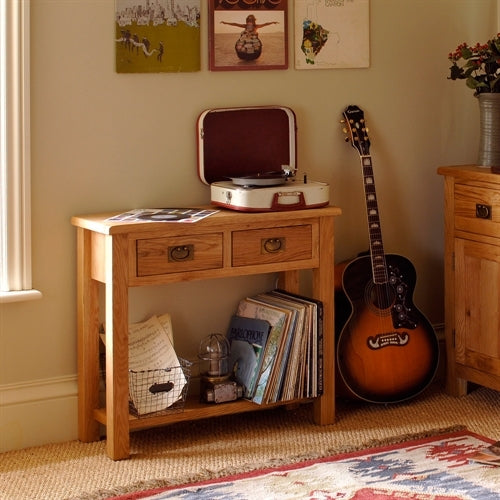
<point>159,391</point>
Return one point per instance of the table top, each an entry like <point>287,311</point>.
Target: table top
<point>102,223</point>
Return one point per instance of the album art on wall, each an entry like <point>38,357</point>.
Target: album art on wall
<point>156,36</point>
<point>247,35</point>
<point>332,34</point>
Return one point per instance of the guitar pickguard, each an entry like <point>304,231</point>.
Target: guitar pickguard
<point>401,310</point>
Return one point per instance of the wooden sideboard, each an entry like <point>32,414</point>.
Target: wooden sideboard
<point>472,277</point>
<point>118,255</point>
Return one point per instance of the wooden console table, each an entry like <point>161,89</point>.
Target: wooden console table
<point>120,255</point>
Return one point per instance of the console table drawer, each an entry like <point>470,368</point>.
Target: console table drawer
<point>278,244</point>
<point>178,254</point>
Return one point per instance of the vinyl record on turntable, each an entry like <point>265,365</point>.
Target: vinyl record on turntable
<point>265,179</point>
<point>165,217</point>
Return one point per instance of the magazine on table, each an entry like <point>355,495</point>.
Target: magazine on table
<point>163,215</point>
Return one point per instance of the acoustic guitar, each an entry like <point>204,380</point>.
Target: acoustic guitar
<point>387,351</point>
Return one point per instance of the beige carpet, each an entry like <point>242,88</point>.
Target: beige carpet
<point>199,450</point>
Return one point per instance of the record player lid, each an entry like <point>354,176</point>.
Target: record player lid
<point>235,143</point>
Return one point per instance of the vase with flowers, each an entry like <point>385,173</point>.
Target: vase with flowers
<point>479,66</point>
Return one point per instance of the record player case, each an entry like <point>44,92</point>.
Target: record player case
<point>248,156</point>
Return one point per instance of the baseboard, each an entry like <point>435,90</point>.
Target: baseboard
<point>38,412</point>
<point>46,411</point>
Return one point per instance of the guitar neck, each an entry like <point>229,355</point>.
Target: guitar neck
<point>374,229</point>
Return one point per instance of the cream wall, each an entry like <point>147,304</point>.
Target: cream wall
<point>105,141</point>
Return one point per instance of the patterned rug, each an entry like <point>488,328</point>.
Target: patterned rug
<point>435,468</point>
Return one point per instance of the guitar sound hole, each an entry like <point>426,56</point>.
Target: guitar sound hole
<point>379,297</point>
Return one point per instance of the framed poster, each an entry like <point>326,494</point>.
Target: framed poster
<point>247,35</point>
<point>156,37</point>
<point>332,34</point>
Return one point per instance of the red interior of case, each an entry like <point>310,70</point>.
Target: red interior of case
<point>243,142</point>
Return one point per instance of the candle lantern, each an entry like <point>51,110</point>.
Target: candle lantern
<point>216,383</point>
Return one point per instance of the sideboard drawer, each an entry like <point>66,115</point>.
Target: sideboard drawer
<point>157,256</point>
<point>477,210</point>
<point>278,244</point>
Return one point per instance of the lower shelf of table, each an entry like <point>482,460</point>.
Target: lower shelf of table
<point>195,410</point>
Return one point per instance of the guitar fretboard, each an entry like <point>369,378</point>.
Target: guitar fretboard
<point>375,231</point>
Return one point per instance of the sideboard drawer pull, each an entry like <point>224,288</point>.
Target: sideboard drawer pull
<point>180,253</point>
<point>483,211</point>
<point>272,245</point>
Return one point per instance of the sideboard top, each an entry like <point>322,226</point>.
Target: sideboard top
<point>470,172</point>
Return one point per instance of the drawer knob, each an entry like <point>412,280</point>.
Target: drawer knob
<point>181,253</point>
<point>273,245</point>
<point>483,211</point>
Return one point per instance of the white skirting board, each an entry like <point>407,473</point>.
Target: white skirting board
<point>46,411</point>
<point>38,412</point>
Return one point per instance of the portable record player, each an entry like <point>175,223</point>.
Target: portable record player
<point>248,156</point>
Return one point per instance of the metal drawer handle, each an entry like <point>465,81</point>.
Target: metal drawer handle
<point>181,253</point>
<point>273,245</point>
<point>483,211</point>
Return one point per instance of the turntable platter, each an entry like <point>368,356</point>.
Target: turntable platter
<point>267,179</point>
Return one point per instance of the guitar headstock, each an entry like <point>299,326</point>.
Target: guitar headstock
<point>354,119</point>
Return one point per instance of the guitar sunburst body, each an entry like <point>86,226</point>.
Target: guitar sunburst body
<point>387,351</point>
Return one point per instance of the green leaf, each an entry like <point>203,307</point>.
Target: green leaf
<point>466,53</point>
<point>474,84</point>
<point>494,83</point>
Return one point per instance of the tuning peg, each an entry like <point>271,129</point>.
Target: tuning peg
<point>344,129</point>
<point>346,139</point>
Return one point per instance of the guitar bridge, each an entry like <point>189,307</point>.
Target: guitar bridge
<point>388,339</point>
